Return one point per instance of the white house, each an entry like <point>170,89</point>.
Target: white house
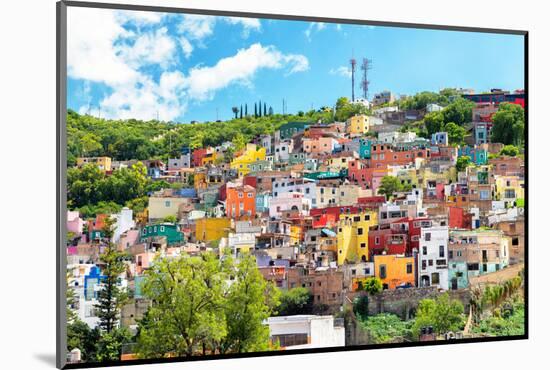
<point>304,186</point>
<point>124,222</point>
<point>306,331</point>
<point>433,257</point>
<point>282,150</point>
<point>289,202</point>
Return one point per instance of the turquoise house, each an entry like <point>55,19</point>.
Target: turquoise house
<point>477,155</point>
<point>170,231</point>
<point>458,275</point>
<point>262,202</point>
<point>365,148</point>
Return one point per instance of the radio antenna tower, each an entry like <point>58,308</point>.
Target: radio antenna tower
<point>365,66</point>
<point>352,62</point>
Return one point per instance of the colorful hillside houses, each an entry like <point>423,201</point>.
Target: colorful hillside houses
<point>324,207</point>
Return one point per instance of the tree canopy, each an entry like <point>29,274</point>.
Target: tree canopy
<point>195,309</point>
<point>295,301</point>
<point>509,125</point>
<point>443,314</point>
<point>391,185</point>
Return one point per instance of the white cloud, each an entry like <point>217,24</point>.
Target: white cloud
<point>248,24</point>
<point>341,71</point>
<point>91,54</point>
<point>186,46</point>
<point>197,27</point>
<point>113,56</point>
<point>150,48</point>
<point>314,27</point>
<point>203,82</point>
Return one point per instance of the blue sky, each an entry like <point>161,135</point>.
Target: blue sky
<point>183,67</point>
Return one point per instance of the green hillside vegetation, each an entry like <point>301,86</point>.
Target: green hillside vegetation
<point>89,136</point>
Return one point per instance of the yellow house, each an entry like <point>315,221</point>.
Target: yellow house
<point>405,175</point>
<point>394,270</point>
<point>211,229</point>
<point>104,163</point>
<point>209,158</point>
<point>353,236</point>
<point>509,189</point>
<point>358,124</point>
<point>295,234</point>
<point>426,174</point>
<point>250,154</point>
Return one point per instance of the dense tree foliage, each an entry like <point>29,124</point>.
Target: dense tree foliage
<point>422,99</point>
<point>462,162</point>
<point>196,310</point>
<point>459,111</point>
<point>91,187</point>
<point>443,314</point>
<point>509,125</point>
<point>373,285</point>
<point>295,301</point>
<point>509,150</point>
<point>391,185</point>
<point>455,133</point>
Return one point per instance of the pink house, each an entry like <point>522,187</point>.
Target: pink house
<point>127,239</point>
<point>289,202</point>
<point>319,145</point>
<point>74,223</point>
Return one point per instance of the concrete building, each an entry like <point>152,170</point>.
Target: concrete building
<point>433,257</point>
<point>306,331</point>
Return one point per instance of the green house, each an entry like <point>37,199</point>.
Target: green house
<point>290,128</point>
<point>170,231</point>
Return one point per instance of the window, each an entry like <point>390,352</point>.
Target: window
<point>430,262</point>
<point>162,229</point>
<point>424,250</point>
<point>382,271</point>
<point>377,240</point>
<point>435,278</point>
<point>167,203</point>
<point>249,195</point>
<point>424,265</point>
<point>363,245</point>
<point>367,217</point>
<point>450,254</point>
<point>409,268</point>
<point>360,231</point>
<point>441,251</point>
<point>428,237</point>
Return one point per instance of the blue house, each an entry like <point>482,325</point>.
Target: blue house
<point>91,281</point>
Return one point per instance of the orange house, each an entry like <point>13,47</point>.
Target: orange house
<point>394,270</point>
<point>240,201</point>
